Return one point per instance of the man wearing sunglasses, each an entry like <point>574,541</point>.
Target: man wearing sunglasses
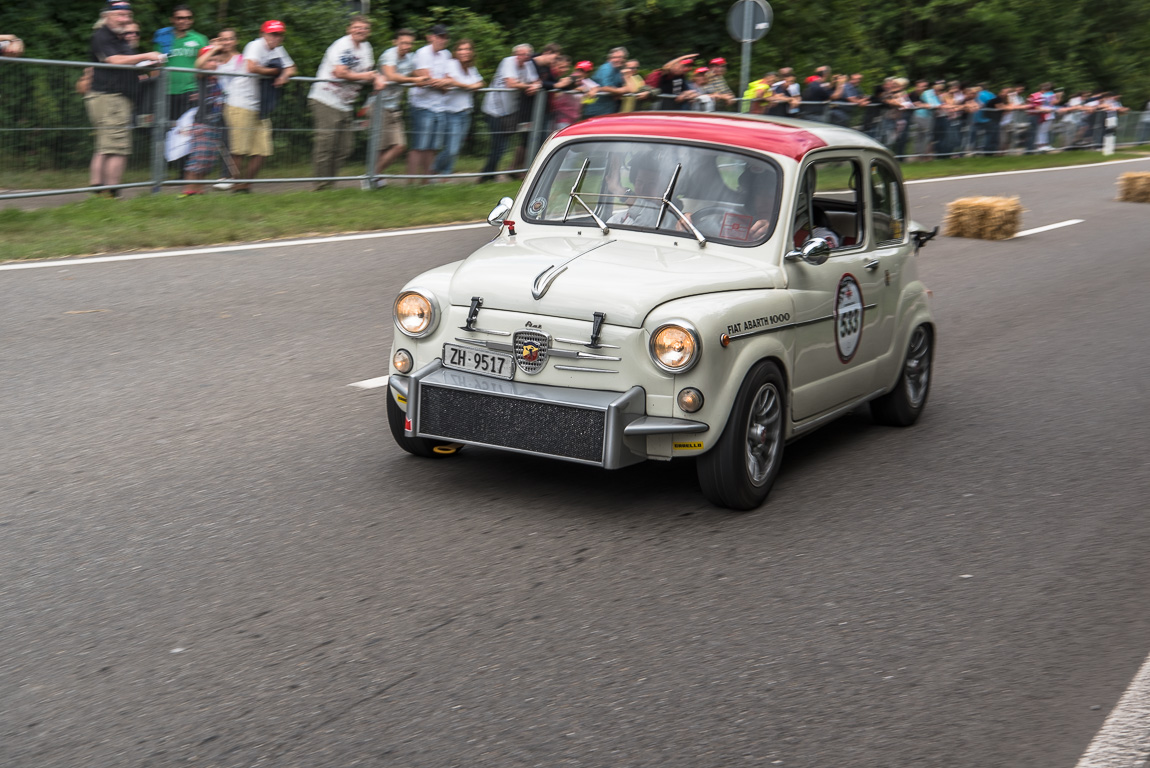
<point>186,45</point>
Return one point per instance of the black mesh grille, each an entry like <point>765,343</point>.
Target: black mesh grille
<point>526,425</point>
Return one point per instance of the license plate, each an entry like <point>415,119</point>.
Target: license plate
<point>479,361</point>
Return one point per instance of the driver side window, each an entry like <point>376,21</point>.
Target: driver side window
<point>829,204</point>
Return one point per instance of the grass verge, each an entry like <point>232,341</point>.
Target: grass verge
<point>101,225</point>
<point>165,221</point>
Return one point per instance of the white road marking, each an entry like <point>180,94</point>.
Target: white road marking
<point>1031,170</point>
<point>1124,741</point>
<point>75,262</point>
<point>1049,227</point>
<point>375,383</point>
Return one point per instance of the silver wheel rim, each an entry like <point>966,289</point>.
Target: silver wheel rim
<point>916,371</point>
<point>764,433</point>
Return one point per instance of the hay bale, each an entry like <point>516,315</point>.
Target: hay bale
<point>1134,187</point>
<point>983,218</point>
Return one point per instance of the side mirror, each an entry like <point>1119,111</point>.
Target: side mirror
<point>499,212</point>
<point>814,251</point>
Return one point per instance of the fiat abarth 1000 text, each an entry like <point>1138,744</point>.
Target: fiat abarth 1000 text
<point>673,285</point>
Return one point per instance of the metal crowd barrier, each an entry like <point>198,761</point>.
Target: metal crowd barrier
<point>46,140</point>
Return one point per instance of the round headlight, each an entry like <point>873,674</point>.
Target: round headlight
<point>414,314</point>
<point>402,361</point>
<point>674,348</point>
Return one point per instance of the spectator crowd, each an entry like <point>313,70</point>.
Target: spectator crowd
<point>224,109</point>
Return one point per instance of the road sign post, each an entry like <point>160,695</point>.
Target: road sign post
<point>748,21</point>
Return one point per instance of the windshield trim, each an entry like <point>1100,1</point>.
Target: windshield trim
<point>713,146</point>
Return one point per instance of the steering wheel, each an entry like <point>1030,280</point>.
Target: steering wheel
<point>709,220</point>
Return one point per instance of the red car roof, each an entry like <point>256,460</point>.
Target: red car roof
<point>748,133</point>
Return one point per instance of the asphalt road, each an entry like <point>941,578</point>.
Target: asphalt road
<point>212,554</point>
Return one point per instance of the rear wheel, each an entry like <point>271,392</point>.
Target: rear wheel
<point>902,406</point>
<point>739,471</point>
<point>419,446</point>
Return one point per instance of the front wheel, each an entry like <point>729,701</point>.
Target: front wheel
<point>740,469</point>
<point>902,406</point>
<point>418,446</point>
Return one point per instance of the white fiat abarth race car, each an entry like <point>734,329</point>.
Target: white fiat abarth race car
<point>673,285</point>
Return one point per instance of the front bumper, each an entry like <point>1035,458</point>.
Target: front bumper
<point>604,429</point>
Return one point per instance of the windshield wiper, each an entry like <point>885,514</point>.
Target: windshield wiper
<point>575,197</point>
<point>682,217</point>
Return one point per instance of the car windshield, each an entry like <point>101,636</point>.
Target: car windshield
<point>717,195</point>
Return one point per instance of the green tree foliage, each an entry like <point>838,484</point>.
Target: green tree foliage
<point>1078,44</point>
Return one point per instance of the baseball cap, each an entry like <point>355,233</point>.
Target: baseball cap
<point>701,71</point>
<point>439,30</point>
<point>586,66</point>
<point>272,26</point>
<point>718,61</point>
<point>812,78</point>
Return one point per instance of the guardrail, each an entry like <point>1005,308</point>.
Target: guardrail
<point>46,139</point>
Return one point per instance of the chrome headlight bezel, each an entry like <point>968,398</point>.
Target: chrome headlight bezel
<point>697,346</point>
<point>433,305</point>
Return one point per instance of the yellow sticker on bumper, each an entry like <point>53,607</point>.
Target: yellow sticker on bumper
<point>688,446</point>
<point>400,399</point>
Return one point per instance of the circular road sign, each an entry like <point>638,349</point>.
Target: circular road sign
<point>749,20</point>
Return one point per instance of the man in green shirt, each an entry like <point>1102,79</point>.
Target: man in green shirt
<point>186,45</point>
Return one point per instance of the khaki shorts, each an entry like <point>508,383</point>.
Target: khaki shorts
<point>111,116</point>
<point>247,134</point>
<point>393,135</point>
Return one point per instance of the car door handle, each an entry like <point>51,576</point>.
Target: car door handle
<point>872,265</point>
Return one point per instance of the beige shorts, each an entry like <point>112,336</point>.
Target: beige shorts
<point>393,135</point>
<point>111,116</point>
<point>247,134</point>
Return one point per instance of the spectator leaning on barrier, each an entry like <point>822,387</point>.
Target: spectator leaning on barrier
<point>703,101</point>
<point>542,61</point>
<point>350,60</point>
<point>428,119</point>
<point>458,103</point>
<point>397,64</point>
<point>758,95</point>
<point>11,46</point>
<point>208,128</point>
<point>675,92</point>
<point>789,94</point>
<point>501,107</point>
<point>716,86</point>
<point>816,95</point>
<point>611,84</point>
<point>567,104</point>
<point>109,100</point>
<point>638,94</point>
<point>249,129</point>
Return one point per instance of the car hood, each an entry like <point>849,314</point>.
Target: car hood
<point>578,276</point>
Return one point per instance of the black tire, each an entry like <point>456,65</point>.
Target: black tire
<point>902,406</point>
<point>740,469</point>
<point>418,446</point>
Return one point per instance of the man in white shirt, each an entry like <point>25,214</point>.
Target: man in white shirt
<point>501,107</point>
<point>350,60</point>
<point>398,67</point>
<point>428,123</point>
<point>251,135</point>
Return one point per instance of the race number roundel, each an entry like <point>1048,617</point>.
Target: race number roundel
<point>848,318</point>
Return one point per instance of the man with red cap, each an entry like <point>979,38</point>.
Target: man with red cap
<point>248,104</point>
<point>716,84</point>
